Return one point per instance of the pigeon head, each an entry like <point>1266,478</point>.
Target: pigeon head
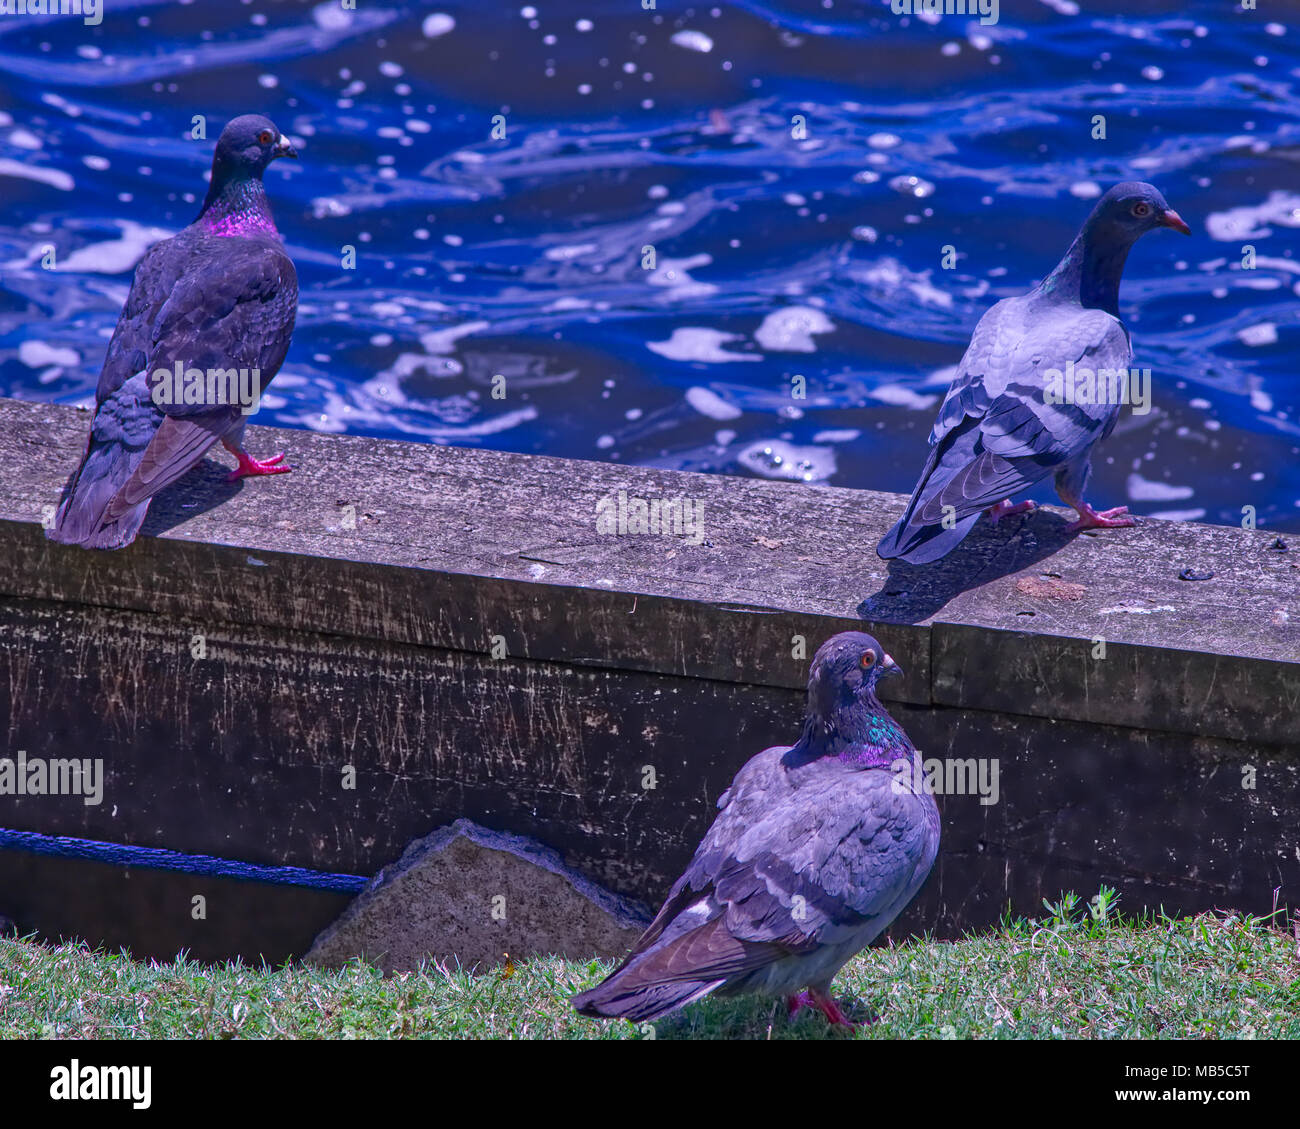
<point>246,146</point>
<point>1092,268</point>
<point>846,669</point>
<point>1129,210</point>
<point>845,718</point>
<point>236,203</point>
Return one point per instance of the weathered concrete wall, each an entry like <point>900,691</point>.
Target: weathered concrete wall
<point>361,638</point>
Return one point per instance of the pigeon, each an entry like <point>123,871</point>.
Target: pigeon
<point>1021,406</point>
<point>219,297</point>
<point>817,848</point>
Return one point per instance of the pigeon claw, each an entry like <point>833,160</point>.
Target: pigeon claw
<point>250,467</point>
<point>1005,509</point>
<point>1100,519</point>
<point>824,1003</point>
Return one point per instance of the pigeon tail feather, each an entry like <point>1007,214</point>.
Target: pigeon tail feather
<point>81,516</point>
<point>919,544</point>
<point>609,1000</point>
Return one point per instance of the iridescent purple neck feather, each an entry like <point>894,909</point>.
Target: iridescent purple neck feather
<point>237,207</point>
<point>858,731</point>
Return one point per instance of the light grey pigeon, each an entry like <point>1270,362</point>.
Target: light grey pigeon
<point>817,848</point>
<point>1038,386</point>
<point>220,297</point>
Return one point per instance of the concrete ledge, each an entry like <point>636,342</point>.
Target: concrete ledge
<point>453,545</point>
<point>348,611</point>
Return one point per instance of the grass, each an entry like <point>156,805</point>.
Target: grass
<point>1078,972</point>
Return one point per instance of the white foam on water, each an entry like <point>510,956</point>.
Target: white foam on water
<point>1274,263</point>
<point>563,254</point>
<point>791,329</point>
<point>115,256</point>
<point>775,458</point>
<point>696,343</point>
<point>902,397</point>
<point>37,354</point>
<point>408,364</point>
<point>324,207</point>
<point>674,275</point>
<point>567,303</point>
<point>437,24</point>
<point>1145,490</point>
<point>1260,400</point>
<point>1251,220</point>
<point>709,403</point>
<point>55,178</point>
<point>693,41</point>
<point>1265,333</point>
<point>916,186</point>
<point>331,16</point>
<point>890,275</point>
<point>443,340</point>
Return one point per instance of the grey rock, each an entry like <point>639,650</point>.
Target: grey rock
<point>473,895</point>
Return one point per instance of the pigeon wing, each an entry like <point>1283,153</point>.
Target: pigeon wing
<point>235,315</point>
<point>234,308</point>
<point>156,277</point>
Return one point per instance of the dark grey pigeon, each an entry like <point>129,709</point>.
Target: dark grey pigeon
<point>1007,422</point>
<point>818,847</point>
<point>219,297</point>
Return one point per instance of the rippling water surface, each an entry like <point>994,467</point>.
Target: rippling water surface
<point>779,251</point>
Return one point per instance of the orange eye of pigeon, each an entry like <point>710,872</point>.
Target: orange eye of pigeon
<point>868,658</point>
<point>264,137</point>
<point>1141,209</point>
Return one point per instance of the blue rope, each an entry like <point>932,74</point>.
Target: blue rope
<point>153,858</point>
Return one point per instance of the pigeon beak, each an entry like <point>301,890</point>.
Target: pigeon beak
<point>284,148</point>
<point>1174,220</point>
<point>889,668</point>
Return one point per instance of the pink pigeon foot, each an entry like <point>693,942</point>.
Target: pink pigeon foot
<point>1005,509</point>
<point>810,997</point>
<point>1099,519</point>
<point>249,466</point>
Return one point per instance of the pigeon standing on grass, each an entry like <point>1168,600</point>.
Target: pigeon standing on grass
<point>1001,429</point>
<point>818,847</point>
<point>220,295</point>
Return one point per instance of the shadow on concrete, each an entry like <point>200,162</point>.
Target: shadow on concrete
<point>912,593</point>
<point>202,489</point>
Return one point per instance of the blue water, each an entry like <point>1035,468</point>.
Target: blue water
<point>777,256</point>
